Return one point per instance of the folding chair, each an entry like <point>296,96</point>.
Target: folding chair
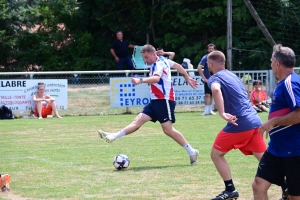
<point>137,59</point>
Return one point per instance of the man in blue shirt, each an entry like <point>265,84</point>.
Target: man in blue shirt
<point>282,158</point>
<point>119,49</point>
<point>205,76</point>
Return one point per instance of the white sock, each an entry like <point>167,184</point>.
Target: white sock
<point>206,109</point>
<point>119,134</point>
<point>189,149</point>
<point>209,108</point>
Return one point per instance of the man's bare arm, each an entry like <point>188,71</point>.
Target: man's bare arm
<point>201,73</point>
<point>131,46</point>
<point>192,82</point>
<point>219,101</point>
<point>112,51</point>
<point>170,54</point>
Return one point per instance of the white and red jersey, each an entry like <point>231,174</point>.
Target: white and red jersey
<point>164,88</point>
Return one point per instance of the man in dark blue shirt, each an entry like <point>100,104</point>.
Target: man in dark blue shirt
<point>282,158</point>
<point>119,49</point>
<point>205,76</point>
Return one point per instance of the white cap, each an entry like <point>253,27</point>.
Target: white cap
<point>187,60</point>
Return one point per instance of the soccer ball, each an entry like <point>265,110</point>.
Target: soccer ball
<point>121,162</point>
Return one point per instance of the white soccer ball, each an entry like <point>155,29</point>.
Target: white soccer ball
<point>121,162</point>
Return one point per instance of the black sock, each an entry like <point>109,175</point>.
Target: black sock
<point>229,185</point>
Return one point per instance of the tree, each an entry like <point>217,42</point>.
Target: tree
<point>15,15</point>
<point>77,34</point>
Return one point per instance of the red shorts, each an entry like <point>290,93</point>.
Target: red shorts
<point>247,142</point>
<point>45,111</point>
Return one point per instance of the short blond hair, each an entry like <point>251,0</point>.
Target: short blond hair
<point>217,56</point>
<point>148,48</point>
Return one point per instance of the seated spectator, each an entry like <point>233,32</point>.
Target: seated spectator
<point>160,52</point>
<point>258,97</point>
<point>45,104</point>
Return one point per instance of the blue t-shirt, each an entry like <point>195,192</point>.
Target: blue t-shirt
<point>285,140</point>
<point>203,62</point>
<point>236,102</point>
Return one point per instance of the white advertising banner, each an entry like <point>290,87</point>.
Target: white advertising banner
<point>17,94</point>
<point>124,94</point>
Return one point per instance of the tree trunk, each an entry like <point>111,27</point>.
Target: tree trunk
<point>229,35</point>
<point>147,38</point>
<point>260,23</point>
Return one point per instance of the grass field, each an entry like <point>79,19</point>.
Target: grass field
<point>65,159</point>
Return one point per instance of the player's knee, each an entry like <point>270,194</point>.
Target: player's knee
<point>256,188</point>
<point>171,132</point>
<point>168,132</point>
<point>216,154</point>
<point>213,155</point>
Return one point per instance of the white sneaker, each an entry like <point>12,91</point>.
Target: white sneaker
<point>211,113</point>
<point>194,158</point>
<point>106,136</point>
<point>204,113</point>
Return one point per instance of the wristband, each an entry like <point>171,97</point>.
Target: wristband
<point>141,80</point>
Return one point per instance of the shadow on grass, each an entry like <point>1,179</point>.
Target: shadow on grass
<point>153,167</point>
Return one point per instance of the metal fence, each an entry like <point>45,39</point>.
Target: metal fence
<point>88,91</point>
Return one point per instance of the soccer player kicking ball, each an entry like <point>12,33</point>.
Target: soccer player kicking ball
<point>162,105</point>
<point>241,131</point>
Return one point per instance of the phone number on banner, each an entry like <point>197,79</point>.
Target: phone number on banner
<point>189,100</point>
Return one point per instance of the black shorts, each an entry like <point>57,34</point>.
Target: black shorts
<point>207,90</point>
<point>160,110</point>
<point>274,169</point>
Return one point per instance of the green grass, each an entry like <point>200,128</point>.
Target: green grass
<point>65,159</point>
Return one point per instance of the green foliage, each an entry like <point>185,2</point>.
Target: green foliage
<point>281,18</point>
<point>77,34</point>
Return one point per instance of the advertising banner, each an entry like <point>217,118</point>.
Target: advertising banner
<point>124,94</point>
<point>17,94</point>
